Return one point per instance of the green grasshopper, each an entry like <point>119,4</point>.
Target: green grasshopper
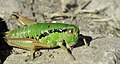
<point>34,35</point>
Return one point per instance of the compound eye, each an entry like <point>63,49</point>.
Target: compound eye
<point>70,31</point>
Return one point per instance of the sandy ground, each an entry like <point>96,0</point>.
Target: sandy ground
<point>100,25</point>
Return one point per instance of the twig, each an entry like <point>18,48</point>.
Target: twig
<point>105,19</point>
<point>86,4</point>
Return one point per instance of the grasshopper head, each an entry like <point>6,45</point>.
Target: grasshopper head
<point>72,35</point>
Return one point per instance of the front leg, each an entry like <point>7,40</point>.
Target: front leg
<point>64,48</point>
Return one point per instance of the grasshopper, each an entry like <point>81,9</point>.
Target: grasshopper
<point>32,35</point>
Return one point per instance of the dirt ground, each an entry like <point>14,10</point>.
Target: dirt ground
<point>98,21</point>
